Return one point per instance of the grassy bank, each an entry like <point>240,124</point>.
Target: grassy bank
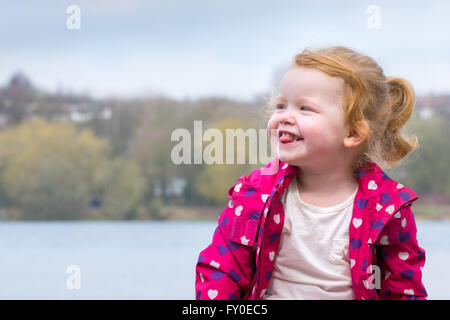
<point>421,212</point>
<point>211,213</point>
<point>431,212</point>
<point>192,213</point>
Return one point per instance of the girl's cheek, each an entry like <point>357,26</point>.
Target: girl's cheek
<point>272,129</point>
<point>319,136</point>
<point>272,125</point>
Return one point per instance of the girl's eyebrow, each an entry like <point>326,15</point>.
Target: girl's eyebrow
<point>303,99</point>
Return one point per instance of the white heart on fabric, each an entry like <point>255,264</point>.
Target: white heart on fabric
<point>263,292</point>
<point>238,210</point>
<point>403,222</point>
<point>352,263</point>
<point>390,209</point>
<point>285,166</point>
<point>379,206</point>
<point>384,240</point>
<point>212,293</point>
<point>244,240</point>
<point>237,187</point>
<point>398,215</point>
<point>276,218</point>
<point>271,255</point>
<point>264,197</point>
<point>409,292</point>
<point>372,185</point>
<point>399,186</point>
<point>357,222</point>
<point>403,255</point>
<point>214,264</point>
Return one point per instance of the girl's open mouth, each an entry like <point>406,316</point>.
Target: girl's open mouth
<point>289,139</point>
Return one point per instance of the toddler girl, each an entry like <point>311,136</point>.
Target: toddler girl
<point>322,220</point>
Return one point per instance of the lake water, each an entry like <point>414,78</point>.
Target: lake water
<point>140,260</point>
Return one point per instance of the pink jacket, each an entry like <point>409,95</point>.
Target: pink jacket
<point>238,264</point>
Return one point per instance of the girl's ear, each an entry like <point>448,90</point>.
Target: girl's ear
<point>355,137</point>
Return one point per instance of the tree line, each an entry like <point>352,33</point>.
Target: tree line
<point>116,164</point>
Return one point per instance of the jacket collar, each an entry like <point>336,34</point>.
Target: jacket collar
<point>378,197</point>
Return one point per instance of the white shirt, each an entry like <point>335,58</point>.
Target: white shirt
<point>312,261</point>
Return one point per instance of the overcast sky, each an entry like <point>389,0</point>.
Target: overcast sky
<point>232,48</point>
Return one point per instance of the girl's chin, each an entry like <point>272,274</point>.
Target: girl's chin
<point>289,157</point>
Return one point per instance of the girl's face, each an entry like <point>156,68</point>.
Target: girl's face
<point>310,107</point>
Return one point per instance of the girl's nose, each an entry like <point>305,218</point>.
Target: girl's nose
<point>287,117</point>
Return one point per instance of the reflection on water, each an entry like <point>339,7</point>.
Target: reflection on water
<point>139,260</point>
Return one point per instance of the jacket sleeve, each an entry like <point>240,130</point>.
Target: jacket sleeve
<point>225,268</point>
<point>401,259</point>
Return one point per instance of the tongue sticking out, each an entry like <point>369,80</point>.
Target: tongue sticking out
<point>286,139</point>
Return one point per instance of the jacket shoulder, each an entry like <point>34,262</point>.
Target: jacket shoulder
<point>376,183</point>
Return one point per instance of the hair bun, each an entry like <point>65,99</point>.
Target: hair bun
<point>401,100</point>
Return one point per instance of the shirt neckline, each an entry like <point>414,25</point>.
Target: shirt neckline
<point>317,209</point>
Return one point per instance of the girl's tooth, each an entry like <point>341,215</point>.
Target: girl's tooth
<point>290,135</point>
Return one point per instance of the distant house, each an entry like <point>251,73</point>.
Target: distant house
<point>431,105</point>
<point>175,188</point>
<point>80,117</point>
<point>106,114</point>
<point>83,112</point>
<point>3,120</point>
<point>426,113</point>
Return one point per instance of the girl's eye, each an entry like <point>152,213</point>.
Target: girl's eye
<point>282,106</point>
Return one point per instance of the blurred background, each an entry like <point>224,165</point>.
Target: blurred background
<point>91,91</point>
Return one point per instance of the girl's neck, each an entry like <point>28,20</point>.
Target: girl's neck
<point>326,182</point>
